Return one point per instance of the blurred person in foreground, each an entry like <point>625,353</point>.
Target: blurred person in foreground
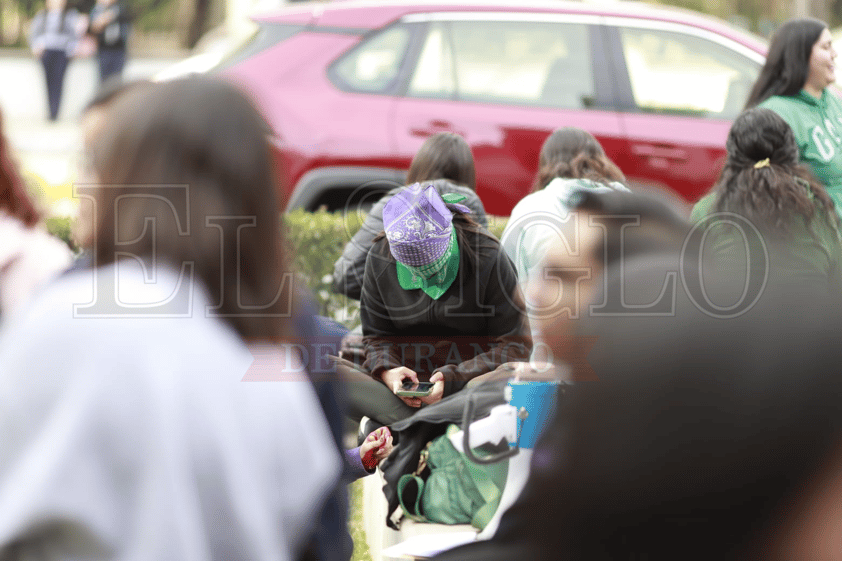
<point>129,430</point>
<point>770,205</point>
<point>29,256</point>
<point>795,82</point>
<point>690,433</point>
<point>444,161</point>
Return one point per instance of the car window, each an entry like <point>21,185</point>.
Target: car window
<point>534,63</point>
<point>434,75</point>
<point>374,65</point>
<point>676,73</point>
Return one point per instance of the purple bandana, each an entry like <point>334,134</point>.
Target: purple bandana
<point>418,225</point>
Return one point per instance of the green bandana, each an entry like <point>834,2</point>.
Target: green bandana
<point>434,279</point>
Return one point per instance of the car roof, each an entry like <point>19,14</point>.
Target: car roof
<point>367,14</point>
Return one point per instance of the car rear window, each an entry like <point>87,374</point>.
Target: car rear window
<point>682,74</point>
<point>265,36</point>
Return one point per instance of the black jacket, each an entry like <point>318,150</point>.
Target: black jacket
<point>476,326</point>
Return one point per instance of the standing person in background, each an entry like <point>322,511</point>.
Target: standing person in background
<point>444,161</point>
<point>110,25</point>
<point>794,83</point>
<point>54,37</point>
<point>28,255</point>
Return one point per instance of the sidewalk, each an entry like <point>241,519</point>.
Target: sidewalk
<point>51,150</point>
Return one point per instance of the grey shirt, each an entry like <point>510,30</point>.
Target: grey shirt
<point>51,31</point>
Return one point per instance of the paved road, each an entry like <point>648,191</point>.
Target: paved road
<point>51,150</point>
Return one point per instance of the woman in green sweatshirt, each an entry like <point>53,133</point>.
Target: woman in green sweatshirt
<point>794,84</point>
<point>767,215</point>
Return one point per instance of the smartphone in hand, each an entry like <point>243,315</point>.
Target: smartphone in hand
<point>411,389</point>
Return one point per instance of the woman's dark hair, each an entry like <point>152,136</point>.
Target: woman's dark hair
<point>14,199</point>
<point>788,62</point>
<point>571,152</point>
<point>444,155</point>
<point>768,195</point>
<point>190,156</point>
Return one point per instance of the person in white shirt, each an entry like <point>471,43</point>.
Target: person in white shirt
<point>154,406</point>
<point>571,160</point>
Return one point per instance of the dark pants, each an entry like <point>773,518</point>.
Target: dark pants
<point>111,63</point>
<point>55,65</point>
<point>370,398</point>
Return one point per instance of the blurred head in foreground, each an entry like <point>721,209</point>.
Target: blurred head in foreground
<point>14,200</point>
<point>189,155</point>
<point>604,231</point>
<point>689,434</point>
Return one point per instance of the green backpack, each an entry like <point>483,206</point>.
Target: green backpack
<point>457,491</point>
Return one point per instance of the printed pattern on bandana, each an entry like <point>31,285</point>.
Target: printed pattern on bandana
<point>420,235</point>
<point>438,266</point>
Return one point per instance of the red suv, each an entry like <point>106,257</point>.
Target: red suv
<point>351,90</point>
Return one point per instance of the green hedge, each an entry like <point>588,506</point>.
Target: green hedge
<point>315,240</point>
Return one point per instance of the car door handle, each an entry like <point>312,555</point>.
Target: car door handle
<point>433,127</point>
<point>660,151</point>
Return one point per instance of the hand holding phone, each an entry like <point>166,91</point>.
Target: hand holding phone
<point>415,389</point>
<point>395,378</point>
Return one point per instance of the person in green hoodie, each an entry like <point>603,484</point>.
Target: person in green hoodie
<point>767,215</point>
<point>794,84</point>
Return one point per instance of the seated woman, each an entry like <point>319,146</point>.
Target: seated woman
<point>444,161</point>
<point>439,303</point>
<point>788,215</point>
<point>571,159</point>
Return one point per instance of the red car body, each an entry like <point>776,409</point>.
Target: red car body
<point>334,144</point>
